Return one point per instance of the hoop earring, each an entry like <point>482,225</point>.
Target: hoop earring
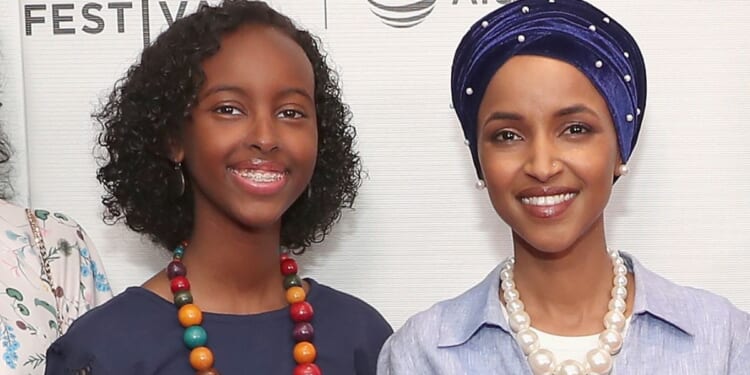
<point>178,185</point>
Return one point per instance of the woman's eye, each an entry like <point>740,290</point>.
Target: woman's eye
<point>291,113</point>
<point>576,129</point>
<point>228,110</point>
<point>507,136</point>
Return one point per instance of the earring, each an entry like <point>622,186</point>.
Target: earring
<point>178,182</point>
<point>480,185</point>
<point>623,170</point>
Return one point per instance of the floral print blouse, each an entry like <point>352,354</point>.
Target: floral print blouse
<point>31,306</point>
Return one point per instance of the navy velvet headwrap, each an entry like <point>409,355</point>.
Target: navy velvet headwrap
<point>573,31</point>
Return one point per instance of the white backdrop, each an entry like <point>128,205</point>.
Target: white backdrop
<point>420,231</point>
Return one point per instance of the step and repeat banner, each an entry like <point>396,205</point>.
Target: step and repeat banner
<point>420,231</point>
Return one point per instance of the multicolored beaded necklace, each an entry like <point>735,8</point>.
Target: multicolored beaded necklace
<point>191,317</point>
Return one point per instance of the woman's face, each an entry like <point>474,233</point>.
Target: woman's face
<point>548,151</point>
<point>251,144</point>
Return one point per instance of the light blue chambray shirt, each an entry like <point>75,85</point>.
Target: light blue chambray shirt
<point>674,330</point>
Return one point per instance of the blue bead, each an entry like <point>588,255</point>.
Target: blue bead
<point>195,336</point>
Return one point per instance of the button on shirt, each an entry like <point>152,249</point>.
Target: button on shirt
<point>674,330</point>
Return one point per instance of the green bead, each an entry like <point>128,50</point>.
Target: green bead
<point>182,298</point>
<point>292,280</point>
<point>195,336</point>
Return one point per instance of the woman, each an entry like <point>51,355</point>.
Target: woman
<point>226,142</point>
<point>551,96</point>
<point>50,274</point>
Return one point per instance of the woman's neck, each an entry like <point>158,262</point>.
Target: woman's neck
<point>566,293</point>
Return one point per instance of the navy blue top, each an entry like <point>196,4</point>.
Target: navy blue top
<point>137,332</point>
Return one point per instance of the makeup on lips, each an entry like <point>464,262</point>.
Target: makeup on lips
<point>259,176</point>
<point>547,202</point>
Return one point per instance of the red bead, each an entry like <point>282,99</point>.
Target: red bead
<point>176,268</point>
<point>301,311</point>
<point>179,283</point>
<point>303,331</point>
<point>288,267</point>
<point>307,369</point>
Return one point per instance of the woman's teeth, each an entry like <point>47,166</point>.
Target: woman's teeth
<point>549,200</point>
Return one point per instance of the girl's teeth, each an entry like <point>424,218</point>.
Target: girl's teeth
<point>549,200</point>
<point>259,176</point>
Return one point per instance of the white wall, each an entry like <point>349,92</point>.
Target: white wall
<point>420,231</point>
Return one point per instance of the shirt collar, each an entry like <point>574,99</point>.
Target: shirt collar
<point>658,297</point>
<point>479,307</point>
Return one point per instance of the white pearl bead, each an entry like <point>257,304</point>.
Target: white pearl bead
<point>620,270</point>
<point>508,285</point>
<point>592,28</point>
<point>614,255</point>
<point>506,274</point>
<point>619,292</point>
<point>611,341</point>
<point>599,64</point>
<point>542,361</point>
<point>469,91</point>
<point>525,10</point>
<point>466,142</point>
<point>628,78</point>
<point>528,340</point>
<point>618,304</point>
<point>514,306</point>
<point>629,117</point>
<point>621,280</point>
<point>638,111</point>
<point>627,55</point>
<point>511,295</point>
<point>606,19</point>
<point>619,261</point>
<point>615,320</point>
<point>599,361</point>
<point>521,38</point>
<point>570,367</point>
<point>485,24</point>
<point>519,320</point>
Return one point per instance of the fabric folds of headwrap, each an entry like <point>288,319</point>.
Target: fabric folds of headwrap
<point>572,31</point>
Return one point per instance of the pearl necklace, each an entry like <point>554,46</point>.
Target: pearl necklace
<point>598,361</point>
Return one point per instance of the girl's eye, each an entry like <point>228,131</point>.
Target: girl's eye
<point>507,136</point>
<point>291,113</point>
<point>575,129</point>
<point>228,110</point>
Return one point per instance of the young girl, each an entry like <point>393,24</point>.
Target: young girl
<point>551,96</point>
<point>227,141</point>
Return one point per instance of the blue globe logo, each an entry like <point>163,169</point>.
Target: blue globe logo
<point>402,13</point>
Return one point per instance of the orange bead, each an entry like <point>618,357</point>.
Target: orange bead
<point>190,315</point>
<point>201,358</point>
<point>304,352</point>
<point>295,294</point>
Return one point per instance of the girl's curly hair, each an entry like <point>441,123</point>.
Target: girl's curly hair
<point>149,105</point>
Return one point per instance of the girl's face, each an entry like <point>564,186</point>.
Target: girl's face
<point>251,144</point>
<point>548,151</point>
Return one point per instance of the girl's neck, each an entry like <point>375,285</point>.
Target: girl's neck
<point>232,268</point>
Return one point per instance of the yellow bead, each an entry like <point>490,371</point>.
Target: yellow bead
<point>304,352</point>
<point>295,294</point>
<point>201,358</point>
<point>190,315</point>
